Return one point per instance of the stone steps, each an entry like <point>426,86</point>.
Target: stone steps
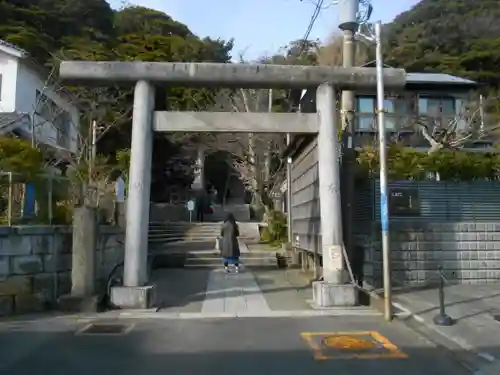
<point>197,232</point>
<point>209,259</point>
<point>179,212</point>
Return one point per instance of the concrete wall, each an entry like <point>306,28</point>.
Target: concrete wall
<point>8,78</point>
<point>28,82</point>
<point>457,227</point>
<point>19,81</point>
<point>306,216</point>
<point>35,264</point>
<point>468,252</point>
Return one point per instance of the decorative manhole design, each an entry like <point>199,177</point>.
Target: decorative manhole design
<point>348,343</point>
<point>105,329</point>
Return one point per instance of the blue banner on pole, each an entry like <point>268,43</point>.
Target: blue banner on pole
<point>29,200</point>
<point>384,212</point>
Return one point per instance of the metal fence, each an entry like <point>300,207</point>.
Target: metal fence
<point>47,199</point>
<point>35,199</point>
<point>438,201</point>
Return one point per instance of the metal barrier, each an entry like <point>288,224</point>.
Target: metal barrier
<point>34,199</point>
<point>442,319</point>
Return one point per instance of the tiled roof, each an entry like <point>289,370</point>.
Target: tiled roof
<point>438,78</point>
<point>428,78</point>
<point>13,46</point>
<point>11,120</point>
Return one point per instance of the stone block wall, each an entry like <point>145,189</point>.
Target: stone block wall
<point>468,252</point>
<point>35,264</point>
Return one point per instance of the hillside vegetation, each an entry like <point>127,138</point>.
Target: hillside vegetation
<point>460,37</point>
<point>90,29</point>
<point>55,30</point>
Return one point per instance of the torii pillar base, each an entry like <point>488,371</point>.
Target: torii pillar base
<point>134,297</point>
<point>327,294</point>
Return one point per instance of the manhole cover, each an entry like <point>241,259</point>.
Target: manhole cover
<point>348,343</point>
<point>104,329</point>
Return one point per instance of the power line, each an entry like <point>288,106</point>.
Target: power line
<point>312,21</point>
<point>324,7</point>
<point>314,17</point>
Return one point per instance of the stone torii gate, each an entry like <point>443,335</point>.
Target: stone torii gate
<point>136,293</point>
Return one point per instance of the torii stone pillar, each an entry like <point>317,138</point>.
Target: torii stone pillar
<point>199,173</point>
<point>135,292</point>
<point>139,187</point>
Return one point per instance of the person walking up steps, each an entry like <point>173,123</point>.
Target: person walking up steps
<point>230,249</point>
<point>200,205</point>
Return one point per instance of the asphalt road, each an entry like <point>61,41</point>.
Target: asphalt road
<point>240,346</point>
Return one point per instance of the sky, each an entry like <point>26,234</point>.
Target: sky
<point>261,27</point>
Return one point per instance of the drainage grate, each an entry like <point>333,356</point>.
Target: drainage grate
<point>105,329</point>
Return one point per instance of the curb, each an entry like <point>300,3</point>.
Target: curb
<point>493,366</point>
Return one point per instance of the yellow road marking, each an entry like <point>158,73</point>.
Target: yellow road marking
<point>350,341</point>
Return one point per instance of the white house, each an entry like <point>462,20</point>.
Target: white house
<point>27,102</point>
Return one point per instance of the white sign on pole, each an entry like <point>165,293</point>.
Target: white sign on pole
<point>120,190</point>
<point>190,207</point>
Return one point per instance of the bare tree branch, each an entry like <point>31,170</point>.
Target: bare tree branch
<point>470,124</point>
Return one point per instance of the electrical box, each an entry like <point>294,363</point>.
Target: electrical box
<point>348,14</point>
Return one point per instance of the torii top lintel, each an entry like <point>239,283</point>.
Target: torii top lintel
<point>103,73</point>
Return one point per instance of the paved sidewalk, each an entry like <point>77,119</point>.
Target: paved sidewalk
<point>233,293</point>
<point>260,292</point>
<point>473,307</point>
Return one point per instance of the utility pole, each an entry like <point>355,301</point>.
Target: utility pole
<point>269,145</point>
<point>289,191</point>
<point>94,140</point>
<point>384,204</point>
<point>93,151</point>
<point>348,10</point>
<point>33,135</point>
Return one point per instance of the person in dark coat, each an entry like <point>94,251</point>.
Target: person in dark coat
<point>200,205</point>
<point>230,249</point>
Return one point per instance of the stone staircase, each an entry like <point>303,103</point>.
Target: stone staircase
<point>178,212</point>
<point>165,233</point>
<point>197,233</point>
<point>193,245</point>
<point>212,259</point>
<point>241,212</point>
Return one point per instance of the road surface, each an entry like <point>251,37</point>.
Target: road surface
<point>350,345</point>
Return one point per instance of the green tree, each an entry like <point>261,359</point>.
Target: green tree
<point>55,30</point>
<point>457,37</point>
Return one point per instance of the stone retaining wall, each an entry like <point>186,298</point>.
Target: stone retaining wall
<point>35,264</point>
<point>468,252</point>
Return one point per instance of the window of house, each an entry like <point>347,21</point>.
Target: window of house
<point>365,113</point>
<point>396,109</point>
<point>436,106</point>
<point>45,107</point>
<point>50,112</point>
<point>441,109</point>
<point>41,108</point>
<point>62,124</point>
<point>366,110</point>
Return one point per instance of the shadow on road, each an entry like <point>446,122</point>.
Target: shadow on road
<point>218,347</point>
